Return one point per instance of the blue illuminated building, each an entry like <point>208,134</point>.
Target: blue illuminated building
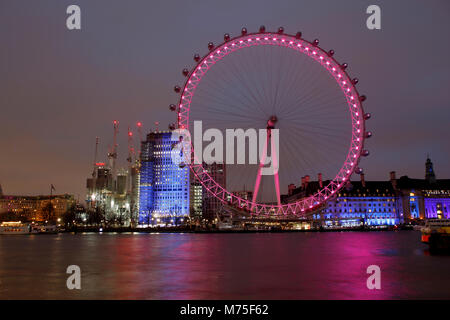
<point>425,198</point>
<point>382,203</point>
<point>164,185</point>
<point>370,203</point>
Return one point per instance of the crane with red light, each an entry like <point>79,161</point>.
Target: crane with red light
<point>139,130</point>
<point>130,160</point>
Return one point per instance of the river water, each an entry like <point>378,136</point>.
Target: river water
<point>312,265</point>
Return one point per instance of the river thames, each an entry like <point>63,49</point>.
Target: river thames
<point>329,265</point>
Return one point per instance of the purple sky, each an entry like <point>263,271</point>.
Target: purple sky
<point>60,89</point>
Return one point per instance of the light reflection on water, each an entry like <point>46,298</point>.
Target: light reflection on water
<point>222,266</point>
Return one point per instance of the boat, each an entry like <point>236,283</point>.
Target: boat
<point>44,229</point>
<point>14,227</point>
<point>436,233</point>
<point>226,222</point>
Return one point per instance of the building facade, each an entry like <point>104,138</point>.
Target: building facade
<point>380,203</point>
<point>35,208</point>
<point>425,198</point>
<point>211,204</point>
<point>371,203</point>
<point>196,199</point>
<point>163,185</point>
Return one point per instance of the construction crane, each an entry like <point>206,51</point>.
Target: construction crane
<point>112,154</point>
<point>131,153</point>
<point>139,130</point>
<point>130,159</point>
<point>94,172</point>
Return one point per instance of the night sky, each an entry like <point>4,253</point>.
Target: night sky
<point>60,89</point>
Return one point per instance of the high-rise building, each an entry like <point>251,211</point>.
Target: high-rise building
<point>121,184</point>
<point>196,199</point>
<point>99,187</point>
<point>164,185</point>
<point>211,204</point>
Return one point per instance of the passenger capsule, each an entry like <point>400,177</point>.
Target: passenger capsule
<point>172,126</point>
<point>355,80</point>
<point>244,31</point>
<point>262,29</point>
<point>226,37</point>
<point>331,53</point>
<point>362,98</point>
<point>344,66</point>
<point>368,134</point>
<point>185,72</point>
<point>280,30</point>
<point>196,57</point>
<point>172,107</point>
<point>359,170</point>
<point>367,116</point>
<point>365,153</point>
<point>298,35</point>
<point>316,42</point>
<point>210,46</point>
<point>177,89</point>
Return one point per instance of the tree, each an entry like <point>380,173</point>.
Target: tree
<point>96,216</point>
<point>8,216</point>
<point>49,213</point>
<point>70,216</point>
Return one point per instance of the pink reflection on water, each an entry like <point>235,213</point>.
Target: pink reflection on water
<point>223,266</point>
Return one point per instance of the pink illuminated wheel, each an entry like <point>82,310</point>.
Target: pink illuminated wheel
<point>272,80</point>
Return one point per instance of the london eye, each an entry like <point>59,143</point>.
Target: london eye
<point>274,80</point>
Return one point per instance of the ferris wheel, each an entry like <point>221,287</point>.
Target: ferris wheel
<point>273,80</point>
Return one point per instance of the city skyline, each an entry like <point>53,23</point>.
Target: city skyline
<point>64,88</point>
<point>224,158</point>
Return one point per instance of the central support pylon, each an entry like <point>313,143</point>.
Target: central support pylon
<point>270,125</point>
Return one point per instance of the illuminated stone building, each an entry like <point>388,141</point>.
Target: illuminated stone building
<point>380,203</point>
<point>425,198</point>
<point>372,203</point>
<point>35,208</point>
